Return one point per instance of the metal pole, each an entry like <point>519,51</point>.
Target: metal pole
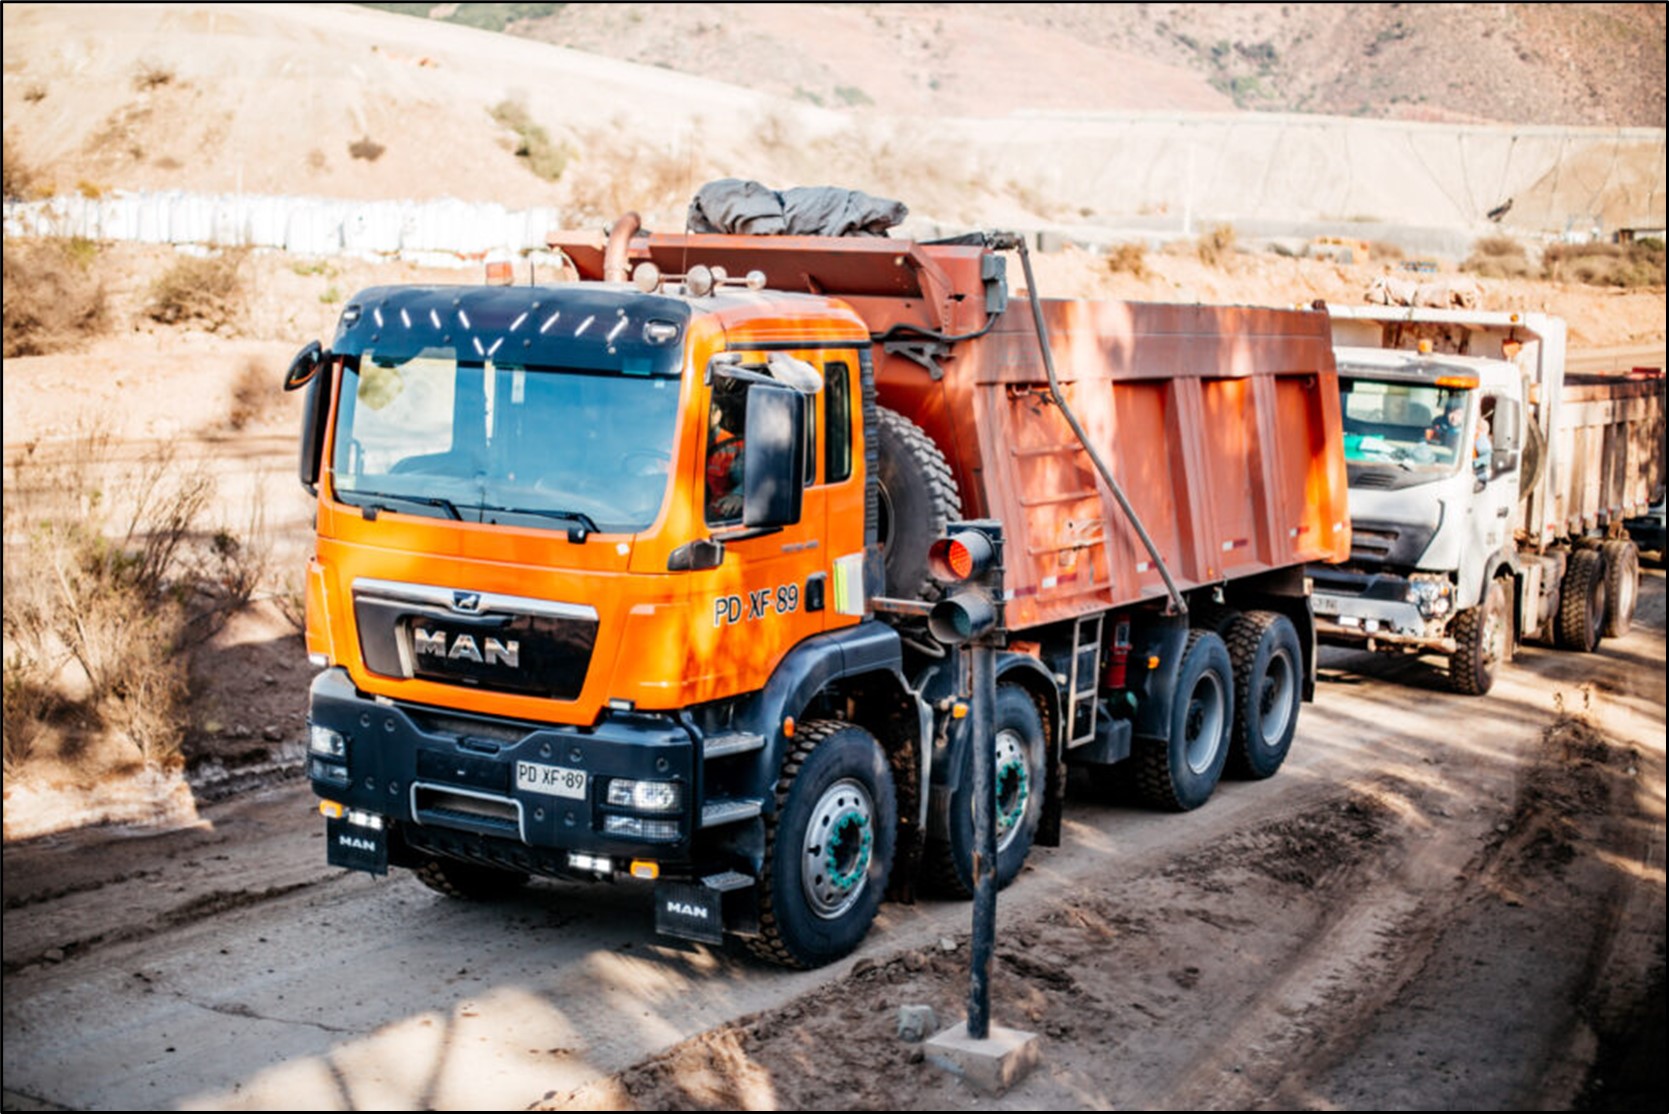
<point>981,717</point>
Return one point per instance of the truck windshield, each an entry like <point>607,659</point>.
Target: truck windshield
<point>1410,426</point>
<point>528,446</point>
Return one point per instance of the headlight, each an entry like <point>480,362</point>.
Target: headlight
<point>1432,596</point>
<point>645,796</point>
<point>323,741</point>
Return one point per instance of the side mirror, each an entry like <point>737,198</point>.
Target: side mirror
<point>1503,461</point>
<point>305,366</point>
<point>311,450</point>
<point>773,454</point>
<point>1507,434</point>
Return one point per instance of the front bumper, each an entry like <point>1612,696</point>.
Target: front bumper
<point>1353,609</point>
<point>448,784</point>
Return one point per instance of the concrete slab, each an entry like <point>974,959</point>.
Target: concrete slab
<point>992,1065</point>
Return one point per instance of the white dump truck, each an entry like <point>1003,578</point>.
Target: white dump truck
<point>1488,488</point>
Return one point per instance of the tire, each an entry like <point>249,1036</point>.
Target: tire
<point>1622,586</point>
<point>1483,642</point>
<point>1019,773</point>
<point>469,881</point>
<point>1268,688</point>
<point>1581,601</point>
<point>1181,772</point>
<point>818,900</point>
<point>918,500</point>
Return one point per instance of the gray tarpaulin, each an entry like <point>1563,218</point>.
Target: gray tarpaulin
<point>731,205</point>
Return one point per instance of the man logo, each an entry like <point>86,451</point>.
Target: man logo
<point>466,601</point>
<point>463,648</point>
<point>355,843</point>
<point>685,909</point>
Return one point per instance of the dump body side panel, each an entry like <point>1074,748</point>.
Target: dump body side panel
<point>1610,440</point>
<point>1221,424</point>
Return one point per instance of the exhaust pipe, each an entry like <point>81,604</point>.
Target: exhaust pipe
<point>619,238</point>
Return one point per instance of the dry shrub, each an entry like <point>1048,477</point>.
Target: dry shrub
<point>1498,257</point>
<point>1128,259</point>
<point>209,292</point>
<point>366,148</point>
<point>1625,265</point>
<point>255,392</point>
<point>1216,245</point>
<point>151,74</point>
<point>22,179</point>
<point>54,299</point>
<point>109,584</point>
<point>1383,251</point>
<point>534,146</point>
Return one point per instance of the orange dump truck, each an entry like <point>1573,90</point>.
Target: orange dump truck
<point>627,579</point>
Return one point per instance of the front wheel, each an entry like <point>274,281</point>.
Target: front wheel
<point>1483,641</point>
<point>1180,773</point>
<point>1019,774</point>
<point>828,846</point>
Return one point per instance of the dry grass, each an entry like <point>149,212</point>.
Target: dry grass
<point>1624,265</point>
<point>22,179</point>
<point>534,146</point>
<point>110,581</point>
<point>209,292</point>
<point>1128,259</point>
<point>1499,257</point>
<point>54,299</point>
<point>1216,245</point>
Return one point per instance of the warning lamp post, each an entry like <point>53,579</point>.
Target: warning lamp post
<point>968,559</point>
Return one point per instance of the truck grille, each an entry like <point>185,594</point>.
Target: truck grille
<point>500,643</point>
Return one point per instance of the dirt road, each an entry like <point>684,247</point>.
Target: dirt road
<point>1441,902</point>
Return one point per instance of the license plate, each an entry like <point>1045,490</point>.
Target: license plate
<point>554,781</point>
<point>1324,605</point>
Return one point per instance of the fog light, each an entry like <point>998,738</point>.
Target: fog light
<point>320,770</point>
<point>638,827</point>
<point>645,796</point>
<point>322,740</point>
<point>596,864</point>
<point>360,818</point>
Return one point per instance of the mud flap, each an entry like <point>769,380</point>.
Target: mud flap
<point>356,846</point>
<point>704,910</point>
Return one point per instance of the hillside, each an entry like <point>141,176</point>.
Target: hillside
<point>1556,64</point>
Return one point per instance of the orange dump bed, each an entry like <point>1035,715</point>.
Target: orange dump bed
<point>1221,424</point>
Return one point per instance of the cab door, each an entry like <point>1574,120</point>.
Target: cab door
<point>775,588</point>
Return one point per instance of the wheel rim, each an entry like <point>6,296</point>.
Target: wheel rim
<point>1202,733</point>
<point>1013,786</point>
<point>834,861</point>
<point>1275,699</point>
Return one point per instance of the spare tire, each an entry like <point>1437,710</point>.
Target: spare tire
<point>918,500</point>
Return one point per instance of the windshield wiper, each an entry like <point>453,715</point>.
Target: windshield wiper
<point>586,525</point>
<point>374,502</point>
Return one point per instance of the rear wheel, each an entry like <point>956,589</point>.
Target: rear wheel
<point>1622,585</point>
<point>828,846</point>
<point>1581,601</point>
<point>1268,667</point>
<point>1019,777</point>
<point>1483,641</point>
<point>469,881</point>
<point>1180,773</point>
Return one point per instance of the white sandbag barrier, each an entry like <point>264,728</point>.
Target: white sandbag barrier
<point>430,230</point>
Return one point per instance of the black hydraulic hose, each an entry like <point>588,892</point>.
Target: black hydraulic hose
<point>1083,438</point>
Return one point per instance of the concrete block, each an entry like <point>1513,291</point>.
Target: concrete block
<point>992,1065</point>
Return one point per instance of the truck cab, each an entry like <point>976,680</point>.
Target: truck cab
<point>1433,455</point>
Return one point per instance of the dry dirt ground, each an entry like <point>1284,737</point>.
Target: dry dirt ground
<point>1401,920</point>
